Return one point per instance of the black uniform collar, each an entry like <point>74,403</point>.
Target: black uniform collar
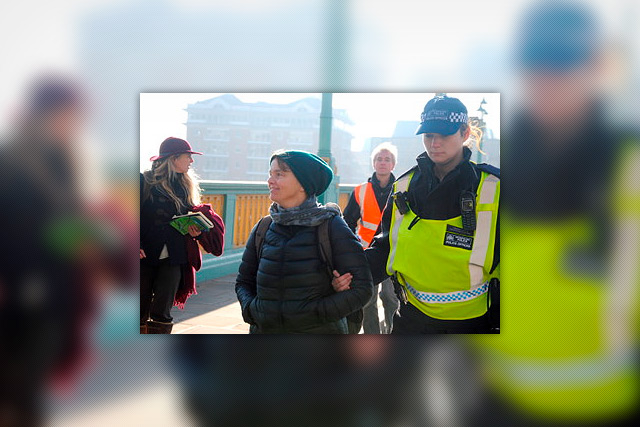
<point>426,165</point>
<point>572,179</point>
<point>376,182</point>
<point>430,198</point>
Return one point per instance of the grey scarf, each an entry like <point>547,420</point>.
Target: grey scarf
<point>310,213</point>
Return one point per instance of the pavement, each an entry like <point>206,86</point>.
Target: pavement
<point>214,310</point>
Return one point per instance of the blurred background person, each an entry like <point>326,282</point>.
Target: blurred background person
<point>168,259</point>
<point>363,214</point>
<point>284,280</point>
<point>570,246</point>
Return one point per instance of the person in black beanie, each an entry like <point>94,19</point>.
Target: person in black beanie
<point>283,283</point>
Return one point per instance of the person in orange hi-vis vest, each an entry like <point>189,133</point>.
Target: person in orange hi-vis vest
<point>363,215</point>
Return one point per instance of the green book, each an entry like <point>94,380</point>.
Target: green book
<point>182,222</point>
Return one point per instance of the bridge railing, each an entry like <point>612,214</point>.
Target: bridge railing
<point>240,204</point>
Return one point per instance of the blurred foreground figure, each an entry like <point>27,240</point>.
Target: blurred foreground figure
<point>571,237</point>
<point>55,249</point>
<point>363,380</point>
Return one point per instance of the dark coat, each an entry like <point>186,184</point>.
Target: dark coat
<point>212,241</point>
<point>288,290</point>
<point>155,232</point>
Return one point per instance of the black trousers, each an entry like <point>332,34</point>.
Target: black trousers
<point>410,320</point>
<point>158,287</point>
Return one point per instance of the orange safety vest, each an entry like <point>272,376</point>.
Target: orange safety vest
<point>370,214</point>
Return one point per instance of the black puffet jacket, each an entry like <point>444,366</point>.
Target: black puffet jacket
<point>288,290</point>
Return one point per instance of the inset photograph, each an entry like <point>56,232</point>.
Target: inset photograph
<point>319,213</point>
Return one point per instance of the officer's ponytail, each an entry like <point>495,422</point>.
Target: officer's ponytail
<point>475,134</point>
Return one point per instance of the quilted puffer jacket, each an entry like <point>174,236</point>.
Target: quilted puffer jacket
<point>288,290</point>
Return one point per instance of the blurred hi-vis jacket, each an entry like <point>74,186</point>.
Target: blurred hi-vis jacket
<point>570,331</point>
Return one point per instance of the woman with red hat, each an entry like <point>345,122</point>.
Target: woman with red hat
<point>170,188</point>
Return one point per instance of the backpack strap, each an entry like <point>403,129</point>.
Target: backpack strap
<point>324,237</point>
<point>261,232</point>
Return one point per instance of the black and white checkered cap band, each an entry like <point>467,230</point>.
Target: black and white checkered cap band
<point>453,117</point>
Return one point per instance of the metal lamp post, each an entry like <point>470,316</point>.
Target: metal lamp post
<point>324,147</point>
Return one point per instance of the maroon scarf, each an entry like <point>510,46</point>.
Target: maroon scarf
<point>212,241</point>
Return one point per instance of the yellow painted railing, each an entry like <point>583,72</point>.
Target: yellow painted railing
<point>343,199</point>
<point>216,201</point>
<point>249,209</point>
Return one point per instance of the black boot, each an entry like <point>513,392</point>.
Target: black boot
<point>154,327</point>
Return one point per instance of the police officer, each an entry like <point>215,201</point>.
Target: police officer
<point>571,239</point>
<point>439,231</point>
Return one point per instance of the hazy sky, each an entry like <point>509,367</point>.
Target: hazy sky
<point>374,114</point>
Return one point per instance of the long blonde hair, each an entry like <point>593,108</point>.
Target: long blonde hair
<point>162,174</point>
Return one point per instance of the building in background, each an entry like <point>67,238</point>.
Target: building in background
<point>238,138</point>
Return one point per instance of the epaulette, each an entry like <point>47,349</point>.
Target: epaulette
<point>407,172</point>
<point>484,167</point>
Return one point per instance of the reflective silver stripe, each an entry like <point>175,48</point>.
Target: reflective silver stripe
<point>619,304</point>
<point>564,374</point>
<point>400,185</point>
<point>624,275</point>
<point>483,233</point>
<point>488,192</point>
<point>361,193</point>
<point>369,225</point>
<point>448,297</point>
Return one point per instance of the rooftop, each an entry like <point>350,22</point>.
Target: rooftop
<point>231,102</point>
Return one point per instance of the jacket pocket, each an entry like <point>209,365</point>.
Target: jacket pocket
<point>247,316</point>
<point>261,318</point>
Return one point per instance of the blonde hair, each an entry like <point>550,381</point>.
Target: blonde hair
<point>385,146</point>
<point>162,174</point>
<point>475,134</point>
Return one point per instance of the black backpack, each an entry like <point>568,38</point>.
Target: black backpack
<point>324,238</point>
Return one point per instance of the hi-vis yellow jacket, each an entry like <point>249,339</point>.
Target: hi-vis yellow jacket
<point>567,350</point>
<point>445,268</point>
